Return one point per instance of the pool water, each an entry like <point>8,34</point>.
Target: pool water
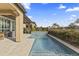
<point>46,46</point>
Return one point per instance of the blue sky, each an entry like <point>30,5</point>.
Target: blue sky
<point>45,14</point>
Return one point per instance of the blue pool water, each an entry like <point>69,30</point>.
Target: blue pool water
<point>46,46</point>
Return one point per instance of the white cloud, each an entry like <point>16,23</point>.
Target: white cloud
<point>74,16</point>
<point>62,6</point>
<point>71,18</point>
<point>72,9</point>
<point>27,5</point>
<point>30,17</point>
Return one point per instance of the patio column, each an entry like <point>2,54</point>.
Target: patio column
<point>19,28</point>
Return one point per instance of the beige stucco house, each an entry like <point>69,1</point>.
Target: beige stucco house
<point>33,26</point>
<point>27,25</point>
<point>11,20</point>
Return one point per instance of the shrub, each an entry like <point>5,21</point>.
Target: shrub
<point>69,34</point>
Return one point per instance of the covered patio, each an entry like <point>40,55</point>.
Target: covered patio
<point>16,11</point>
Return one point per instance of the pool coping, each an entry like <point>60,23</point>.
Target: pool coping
<point>31,47</point>
<point>66,44</point>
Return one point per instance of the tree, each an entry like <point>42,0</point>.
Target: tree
<point>55,25</point>
<point>71,25</point>
<point>77,21</point>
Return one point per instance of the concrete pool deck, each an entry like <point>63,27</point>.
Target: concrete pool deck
<point>66,44</point>
<point>11,48</point>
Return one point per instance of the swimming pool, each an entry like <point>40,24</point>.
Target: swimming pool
<point>46,46</point>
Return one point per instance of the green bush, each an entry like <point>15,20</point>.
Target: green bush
<point>68,34</point>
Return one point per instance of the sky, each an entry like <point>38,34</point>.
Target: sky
<point>46,14</point>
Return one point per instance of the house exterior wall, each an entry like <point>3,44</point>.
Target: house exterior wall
<point>17,11</point>
<point>27,27</point>
<point>33,27</point>
<point>19,23</point>
<point>14,10</point>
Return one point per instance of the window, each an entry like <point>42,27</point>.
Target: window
<point>5,24</point>
<point>26,26</point>
<point>7,27</point>
<point>13,26</point>
<point>24,30</point>
<point>0,25</point>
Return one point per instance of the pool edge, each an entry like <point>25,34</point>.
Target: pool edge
<point>64,43</point>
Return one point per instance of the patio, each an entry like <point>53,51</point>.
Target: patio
<point>11,48</point>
